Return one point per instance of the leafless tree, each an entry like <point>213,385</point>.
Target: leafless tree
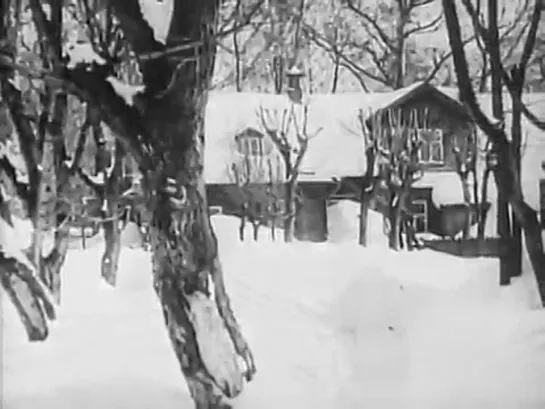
<point>514,80</point>
<point>399,165</point>
<point>163,131</point>
<point>506,172</point>
<point>41,136</point>
<point>250,178</point>
<point>291,137</point>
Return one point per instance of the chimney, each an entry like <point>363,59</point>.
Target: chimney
<point>295,91</point>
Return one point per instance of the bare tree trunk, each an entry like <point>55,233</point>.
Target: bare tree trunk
<point>242,227</point>
<point>365,204</point>
<point>484,198</point>
<point>394,241</point>
<point>467,201</point>
<point>476,199</point>
<point>483,76</point>
<point>22,282</point>
<point>255,227</point>
<point>503,221</point>
<point>112,231</point>
<point>273,228</point>
<point>166,136</point>
<point>336,69</point>
<point>289,221</point>
<point>367,194</point>
<point>238,71</point>
<point>516,135</point>
<point>27,306</point>
<point>51,265</point>
<point>400,44</point>
<point>395,210</point>
<point>112,245</point>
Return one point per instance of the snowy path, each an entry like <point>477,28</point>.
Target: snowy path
<point>332,326</point>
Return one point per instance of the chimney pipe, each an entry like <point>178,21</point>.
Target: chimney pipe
<point>295,91</point>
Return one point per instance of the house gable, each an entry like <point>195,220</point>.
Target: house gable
<point>439,120</point>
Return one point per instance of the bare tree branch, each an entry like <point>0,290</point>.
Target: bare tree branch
<point>386,40</point>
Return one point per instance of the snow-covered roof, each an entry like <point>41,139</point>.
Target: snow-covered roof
<point>336,151</point>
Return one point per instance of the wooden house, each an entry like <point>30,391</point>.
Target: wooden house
<point>335,162</point>
<point>423,108</point>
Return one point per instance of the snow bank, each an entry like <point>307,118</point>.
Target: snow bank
<point>343,224</point>
<point>330,326</point>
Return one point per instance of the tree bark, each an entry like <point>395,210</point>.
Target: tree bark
<point>255,228</point>
<point>502,220</point>
<point>516,135</point>
<point>164,131</point>
<point>18,275</point>
<point>395,214</point>
<point>242,227</point>
<point>368,191</point>
<point>112,231</point>
<point>27,306</point>
<point>289,220</point>
<point>484,198</point>
<point>365,204</point>
<point>184,246</point>
<point>51,265</point>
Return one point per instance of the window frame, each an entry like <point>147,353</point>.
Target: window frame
<point>429,146</point>
<point>421,215</point>
<point>251,146</point>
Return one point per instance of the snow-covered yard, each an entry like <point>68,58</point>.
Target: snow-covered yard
<point>331,325</point>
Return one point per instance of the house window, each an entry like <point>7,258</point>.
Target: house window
<point>432,150</point>
<point>251,146</point>
<point>250,143</point>
<point>420,215</point>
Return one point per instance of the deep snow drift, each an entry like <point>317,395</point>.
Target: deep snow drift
<point>331,326</point>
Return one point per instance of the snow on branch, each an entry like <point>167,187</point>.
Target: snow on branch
<point>13,260</point>
<point>124,90</point>
<point>158,15</point>
<point>122,118</point>
<point>215,345</point>
<point>83,53</point>
<point>290,135</point>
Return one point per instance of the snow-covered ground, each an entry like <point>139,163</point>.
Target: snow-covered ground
<point>331,326</point>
